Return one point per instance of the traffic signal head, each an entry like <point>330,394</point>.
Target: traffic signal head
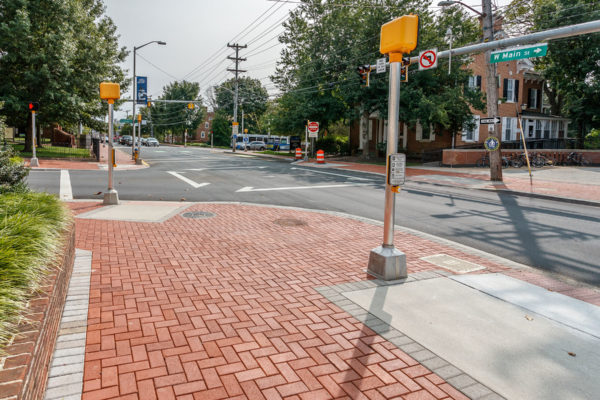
<point>110,91</point>
<point>400,35</point>
<point>191,106</point>
<point>34,106</point>
<point>149,104</point>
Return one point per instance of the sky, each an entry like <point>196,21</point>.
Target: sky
<point>197,33</point>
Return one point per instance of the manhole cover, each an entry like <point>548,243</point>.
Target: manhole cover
<point>198,214</point>
<point>289,222</point>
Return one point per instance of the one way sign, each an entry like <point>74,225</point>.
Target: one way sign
<point>489,121</point>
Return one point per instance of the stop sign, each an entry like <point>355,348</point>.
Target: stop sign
<point>313,127</point>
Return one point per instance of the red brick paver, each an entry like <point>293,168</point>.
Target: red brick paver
<point>226,308</point>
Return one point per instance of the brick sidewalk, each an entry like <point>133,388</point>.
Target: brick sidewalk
<point>226,307</point>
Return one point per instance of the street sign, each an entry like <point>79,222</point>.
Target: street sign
<point>125,121</point>
<point>428,59</point>
<point>142,89</point>
<point>397,167</point>
<point>516,53</point>
<point>489,121</point>
<point>491,143</point>
<point>313,129</point>
<point>234,128</point>
<point>245,139</point>
<point>381,65</point>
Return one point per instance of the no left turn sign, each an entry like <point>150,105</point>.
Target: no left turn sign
<point>428,59</point>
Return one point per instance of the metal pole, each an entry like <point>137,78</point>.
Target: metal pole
<point>392,148</point>
<point>306,141</point>
<point>235,101</point>
<point>385,261</point>
<point>212,135</point>
<point>110,196</point>
<point>133,104</point>
<point>34,161</point>
<point>139,139</point>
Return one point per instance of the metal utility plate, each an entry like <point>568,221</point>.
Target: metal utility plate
<point>452,263</point>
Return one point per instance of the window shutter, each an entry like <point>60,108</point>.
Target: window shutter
<point>479,82</point>
<point>529,99</point>
<point>539,99</point>
<point>476,133</point>
<point>516,90</point>
<point>504,89</point>
<point>514,129</point>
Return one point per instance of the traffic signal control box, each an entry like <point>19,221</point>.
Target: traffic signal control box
<point>400,35</point>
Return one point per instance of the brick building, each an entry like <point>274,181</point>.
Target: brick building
<point>519,93</point>
<point>202,133</point>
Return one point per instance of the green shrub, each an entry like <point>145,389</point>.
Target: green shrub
<point>12,172</point>
<point>31,236</point>
<point>333,145</point>
<point>592,140</point>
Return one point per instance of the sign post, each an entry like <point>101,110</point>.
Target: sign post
<point>398,37</point>
<point>110,92</point>
<point>234,132</point>
<point>313,132</point>
<point>34,160</point>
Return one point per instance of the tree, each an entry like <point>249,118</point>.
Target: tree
<point>571,68</point>
<point>57,52</point>
<point>252,98</point>
<point>326,42</point>
<point>175,118</point>
<point>221,125</point>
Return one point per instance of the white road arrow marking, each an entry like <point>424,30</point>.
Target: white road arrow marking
<point>251,189</point>
<point>331,173</point>
<point>66,192</point>
<point>224,168</point>
<point>187,180</point>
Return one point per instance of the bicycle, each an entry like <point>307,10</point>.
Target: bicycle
<point>483,161</point>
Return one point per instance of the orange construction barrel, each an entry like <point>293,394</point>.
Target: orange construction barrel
<point>320,157</point>
<point>298,153</point>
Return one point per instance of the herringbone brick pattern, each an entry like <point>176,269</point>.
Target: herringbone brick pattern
<point>226,308</point>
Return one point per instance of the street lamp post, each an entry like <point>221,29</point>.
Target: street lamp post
<point>133,88</point>
<point>491,85</point>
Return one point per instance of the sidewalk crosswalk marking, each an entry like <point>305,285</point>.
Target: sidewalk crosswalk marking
<point>66,192</point>
<point>187,180</point>
<point>251,189</point>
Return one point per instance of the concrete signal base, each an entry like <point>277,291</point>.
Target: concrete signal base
<point>111,198</point>
<point>34,162</point>
<point>387,263</point>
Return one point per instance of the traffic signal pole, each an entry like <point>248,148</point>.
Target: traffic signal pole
<point>34,161</point>
<point>111,196</point>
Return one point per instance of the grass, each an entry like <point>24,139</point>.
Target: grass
<point>31,236</point>
<point>54,152</point>
<point>277,153</point>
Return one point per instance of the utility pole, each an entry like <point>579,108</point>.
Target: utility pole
<point>491,91</point>
<point>236,71</point>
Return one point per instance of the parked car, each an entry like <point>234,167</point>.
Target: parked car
<point>257,145</point>
<point>126,140</point>
<point>144,141</point>
<point>152,142</point>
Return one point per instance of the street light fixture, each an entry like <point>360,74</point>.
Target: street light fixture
<point>491,85</point>
<point>133,86</point>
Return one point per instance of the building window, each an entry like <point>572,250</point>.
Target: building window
<point>474,82</point>
<point>206,125</point>
<point>471,134</point>
<point>538,129</point>
<point>561,129</point>
<point>546,129</point>
<point>509,128</point>
<point>511,90</point>
<point>533,98</point>
<point>424,134</point>
<point>554,130</point>
<point>202,134</point>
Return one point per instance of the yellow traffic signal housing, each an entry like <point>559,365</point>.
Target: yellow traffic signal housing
<point>191,106</point>
<point>110,91</point>
<point>400,35</point>
<point>149,104</point>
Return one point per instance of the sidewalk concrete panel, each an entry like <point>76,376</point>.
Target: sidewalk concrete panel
<point>518,354</point>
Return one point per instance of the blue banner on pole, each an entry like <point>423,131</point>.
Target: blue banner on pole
<point>141,83</point>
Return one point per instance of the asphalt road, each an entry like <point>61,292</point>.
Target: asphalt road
<point>559,237</point>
